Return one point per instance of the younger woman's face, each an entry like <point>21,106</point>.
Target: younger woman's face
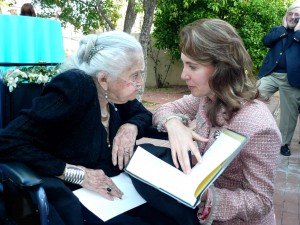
<point>197,77</point>
<point>127,86</point>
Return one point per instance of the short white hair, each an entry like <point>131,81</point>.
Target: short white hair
<point>294,5</point>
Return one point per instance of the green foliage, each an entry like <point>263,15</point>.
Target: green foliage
<point>85,15</point>
<point>252,19</point>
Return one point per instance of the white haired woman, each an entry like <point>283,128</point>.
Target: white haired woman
<point>82,129</point>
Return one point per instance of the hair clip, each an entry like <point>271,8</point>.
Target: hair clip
<point>93,52</point>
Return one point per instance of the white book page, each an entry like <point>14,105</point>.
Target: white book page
<point>106,209</point>
<point>218,152</point>
<point>160,174</point>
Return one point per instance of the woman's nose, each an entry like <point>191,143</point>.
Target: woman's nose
<point>184,75</point>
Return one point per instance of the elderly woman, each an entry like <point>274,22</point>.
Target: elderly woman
<point>217,70</point>
<point>82,129</point>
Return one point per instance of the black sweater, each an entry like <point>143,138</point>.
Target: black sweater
<point>64,126</point>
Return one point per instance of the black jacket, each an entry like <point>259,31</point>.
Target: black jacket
<point>64,126</point>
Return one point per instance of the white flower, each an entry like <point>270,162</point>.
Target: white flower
<point>32,77</point>
<point>17,73</point>
<point>12,83</point>
<point>42,79</point>
<point>35,74</point>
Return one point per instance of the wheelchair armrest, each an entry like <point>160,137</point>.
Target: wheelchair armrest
<point>152,132</point>
<point>24,178</point>
<point>20,174</point>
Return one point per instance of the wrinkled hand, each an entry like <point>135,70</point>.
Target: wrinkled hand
<point>182,140</point>
<point>123,144</point>
<point>284,22</point>
<point>97,181</point>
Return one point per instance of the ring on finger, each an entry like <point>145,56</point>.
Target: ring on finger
<point>126,152</point>
<point>108,189</point>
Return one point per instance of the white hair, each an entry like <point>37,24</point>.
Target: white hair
<point>111,52</point>
<point>294,5</point>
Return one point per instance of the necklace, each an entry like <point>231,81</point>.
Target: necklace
<point>105,122</point>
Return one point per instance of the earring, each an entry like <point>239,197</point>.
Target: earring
<point>106,97</point>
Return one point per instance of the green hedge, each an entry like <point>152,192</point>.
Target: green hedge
<point>252,19</point>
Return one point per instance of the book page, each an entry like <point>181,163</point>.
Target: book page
<point>154,171</point>
<point>186,187</point>
<point>106,209</point>
<point>221,150</point>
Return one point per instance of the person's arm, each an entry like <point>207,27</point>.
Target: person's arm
<point>27,138</point>
<point>135,119</point>
<point>276,34</point>
<point>174,117</point>
<point>183,109</point>
<point>133,112</point>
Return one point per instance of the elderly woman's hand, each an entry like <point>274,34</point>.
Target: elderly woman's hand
<point>182,141</point>
<point>97,181</point>
<point>123,144</point>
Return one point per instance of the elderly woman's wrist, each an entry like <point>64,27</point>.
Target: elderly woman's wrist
<point>73,174</point>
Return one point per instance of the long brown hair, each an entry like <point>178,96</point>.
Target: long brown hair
<point>216,42</point>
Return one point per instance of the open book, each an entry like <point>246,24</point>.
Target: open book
<point>187,188</point>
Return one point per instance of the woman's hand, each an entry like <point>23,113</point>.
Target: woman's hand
<point>123,144</point>
<point>97,181</point>
<point>182,141</point>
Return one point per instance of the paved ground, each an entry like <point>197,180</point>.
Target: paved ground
<point>287,183</point>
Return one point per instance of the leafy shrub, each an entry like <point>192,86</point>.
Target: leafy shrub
<point>252,19</point>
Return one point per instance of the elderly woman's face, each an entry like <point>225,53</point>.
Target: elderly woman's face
<point>127,86</point>
<point>197,77</point>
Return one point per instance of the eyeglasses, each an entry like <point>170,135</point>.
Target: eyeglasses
<point>295,14</point>
<point>135,78</point>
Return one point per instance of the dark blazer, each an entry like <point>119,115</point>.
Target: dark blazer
<point>275,40</point>
<point>64,126</point>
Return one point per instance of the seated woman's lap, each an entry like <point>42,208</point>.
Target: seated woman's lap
<point>66,209</point>
<point>170,207</point>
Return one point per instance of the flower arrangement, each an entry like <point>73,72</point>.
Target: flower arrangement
<point>33,74</point>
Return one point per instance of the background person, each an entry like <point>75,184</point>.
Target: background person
<point>27,9</point>
<point>217,70</point>
<point>82,129</point>
<point>280,71</point>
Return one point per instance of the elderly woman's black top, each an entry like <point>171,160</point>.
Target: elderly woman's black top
<point>64,126</point>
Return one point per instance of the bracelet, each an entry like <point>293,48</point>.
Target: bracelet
<point>182,118</point>
<point>74,175</point>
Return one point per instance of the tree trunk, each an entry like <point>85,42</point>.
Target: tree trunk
<point>149,7</point>
<point>130,16</point>
<point>100,9</point>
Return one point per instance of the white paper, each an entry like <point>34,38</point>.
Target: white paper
<point>106,209</point>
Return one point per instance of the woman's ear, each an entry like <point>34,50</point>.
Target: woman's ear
<point>102,79</point>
